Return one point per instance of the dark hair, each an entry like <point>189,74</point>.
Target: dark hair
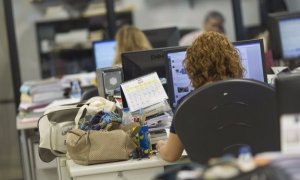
<point>216,15</point>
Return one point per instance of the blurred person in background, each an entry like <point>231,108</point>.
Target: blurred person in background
<point>129,38</point>
<point>214,21</point>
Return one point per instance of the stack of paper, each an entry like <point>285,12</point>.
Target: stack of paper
<point>43,91</point>
<point>36,95</point>
<point>159,122</point>
<point>157,127</point>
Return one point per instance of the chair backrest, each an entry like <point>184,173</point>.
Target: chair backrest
<point>220,117</point>
<point>287,92</point>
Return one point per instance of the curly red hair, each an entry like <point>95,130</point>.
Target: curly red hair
<point>211,58</point>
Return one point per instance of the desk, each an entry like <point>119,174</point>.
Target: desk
<point>26,162</point>
<point>33,167</point>
<point>30,159</point>
<point>132,169</point>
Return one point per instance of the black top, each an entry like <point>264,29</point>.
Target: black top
<point>172,127</point>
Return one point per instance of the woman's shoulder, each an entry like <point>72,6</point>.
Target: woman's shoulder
<point>188,39</point>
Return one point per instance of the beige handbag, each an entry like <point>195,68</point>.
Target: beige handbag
<point>57,121</point>
<point>94,147</point>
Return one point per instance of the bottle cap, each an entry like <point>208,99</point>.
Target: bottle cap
<point>245,149</point>
<point>126,109</point>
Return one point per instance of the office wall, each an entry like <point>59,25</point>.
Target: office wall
<point>148,14</point>
<point>251,14</point>
<point>10,163</point>
<point>158,13</point>
<point>293,5</point>
<point>5,71</point>
<point>25,14</point>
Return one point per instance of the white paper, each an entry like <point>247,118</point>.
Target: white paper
<point>143,92</point>
<point>290,134</point>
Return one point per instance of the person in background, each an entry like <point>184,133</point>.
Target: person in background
<point>269,62</point>
<point>211,58</point>
<point>214,21</point>
<point>129,38</point>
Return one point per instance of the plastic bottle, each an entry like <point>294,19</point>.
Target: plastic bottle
<point>126,117</point>
<point>145,143</point>
<point>75,90</point>
<point>245,159</point>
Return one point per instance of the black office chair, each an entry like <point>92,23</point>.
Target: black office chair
<point>89,93</point>
<point>221,117</point>
<point>287,92</point>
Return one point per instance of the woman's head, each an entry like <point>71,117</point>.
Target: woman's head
<point>214,21</point>
<point>130,38</point>
<point>211,58</point>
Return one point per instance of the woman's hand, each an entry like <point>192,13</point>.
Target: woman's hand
<point>171,149</point>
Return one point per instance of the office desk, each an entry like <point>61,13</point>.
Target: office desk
<point>28,131</point>
<point>26,128</point>
<point>132,169</point>
<point>33,167</point>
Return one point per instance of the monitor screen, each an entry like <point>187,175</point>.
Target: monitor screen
<point>104,53</point>
<point>163,37</point>
<point>179,85</point>
<point>253,60</point>
<point>138,63</point>
<point>290,38</point>
<point>285,35</point>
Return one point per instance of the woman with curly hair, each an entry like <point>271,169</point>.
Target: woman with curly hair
<point>130,38</point>
<point>211,58</point>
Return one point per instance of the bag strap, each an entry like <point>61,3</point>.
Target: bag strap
<point>79,114</point>
<point>77,118</point>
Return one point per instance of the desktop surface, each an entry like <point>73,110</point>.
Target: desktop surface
<point>122,166</point>
<point>104,53</point>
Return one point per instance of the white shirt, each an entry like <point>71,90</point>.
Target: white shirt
<point>189,38</point>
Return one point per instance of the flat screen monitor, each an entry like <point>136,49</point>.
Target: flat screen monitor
<point>163,37</point>
<point>179,85</point>
<point>104,53</point>
<point>253,60</point>
<point>138,63</point>
<point>285,35</point>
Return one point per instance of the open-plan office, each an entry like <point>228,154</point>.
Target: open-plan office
<point>60,52</point>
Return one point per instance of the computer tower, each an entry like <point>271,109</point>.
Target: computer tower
<point>109,80</point>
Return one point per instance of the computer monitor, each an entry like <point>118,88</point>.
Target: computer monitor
<point>163,37</point>
<point>104,53</point>
<point>253,60</point>
<point>138,63</point>
<point>179,85</point>
<point>285,35</point>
